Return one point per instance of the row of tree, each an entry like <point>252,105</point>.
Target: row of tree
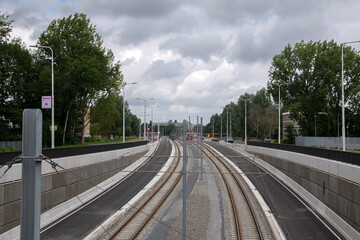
<point>261,117</point>
<point>309,75</point>
<point>85,77</point>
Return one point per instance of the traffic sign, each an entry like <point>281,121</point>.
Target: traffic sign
<point>46,102</point>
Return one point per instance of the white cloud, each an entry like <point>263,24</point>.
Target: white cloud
<point>183,109</point>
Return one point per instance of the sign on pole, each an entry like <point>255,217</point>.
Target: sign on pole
<point>46,102</point>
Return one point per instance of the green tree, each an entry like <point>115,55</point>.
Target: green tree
<point>5,28</point>
<point>314,71</point>
<point>104,116</point>
<point>84,70</point>
<point>260,116</point>
<point>168,129</point>
<point>131,120</point>
<point>16,73</point>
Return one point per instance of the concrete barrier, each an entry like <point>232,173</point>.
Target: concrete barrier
<point>101,169</point>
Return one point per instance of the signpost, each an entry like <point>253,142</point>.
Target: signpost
<point>46,102</point>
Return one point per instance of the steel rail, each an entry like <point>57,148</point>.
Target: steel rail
<point>140,209</point>
<point>211,154</point>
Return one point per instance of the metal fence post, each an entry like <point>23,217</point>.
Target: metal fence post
<point>31,174</point>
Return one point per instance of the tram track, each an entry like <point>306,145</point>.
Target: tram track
<point>245,222</point>
<point>135,224</point>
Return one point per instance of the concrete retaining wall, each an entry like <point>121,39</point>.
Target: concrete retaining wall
<point>83,173</point>
<point>331,187</point>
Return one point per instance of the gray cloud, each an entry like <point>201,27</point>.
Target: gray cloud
<point>138,9</point>
<point>27,17</point>
<point>201,46</point>
<point>159,69</point>
<point>137,30</point>
<point>262,43</point>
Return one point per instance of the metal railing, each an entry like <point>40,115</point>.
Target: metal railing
<point>12,144</point>
<point>73,151</point>
<point>336,155</point>
<point>328,142</point>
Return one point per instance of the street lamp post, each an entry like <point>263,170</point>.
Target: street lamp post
<point>221,122</point>
<point>124,107</point>
<point>245,100</point>
<point>227,123</point>
<point>279,85</point>
<point>152,122</point>
<point>52,94</point>
<point>342,92</point>
<point>213,127</point>
<point>227,118</point>
<point>221,126</point>
<point>140,128</point>
<point>230,126</point>
<point>145,99</point>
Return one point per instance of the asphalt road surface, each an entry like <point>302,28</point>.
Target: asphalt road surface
<point>84,221</point>
<point>295,219</point>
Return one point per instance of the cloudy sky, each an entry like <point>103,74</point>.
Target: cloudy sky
<point>194,56</point>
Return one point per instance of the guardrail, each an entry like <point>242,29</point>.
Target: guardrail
<point>73,151</point>
<point>341,156</point>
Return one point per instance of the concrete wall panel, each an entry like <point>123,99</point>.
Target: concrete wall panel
<point>83,172</point>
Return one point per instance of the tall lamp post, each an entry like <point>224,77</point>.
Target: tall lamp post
<point>140,128</point>
<point>213,128</point>
<point>227,116</point>
<point>221,126</point>
<point>152,123</point>
<point>52,94</point>
<point>245,100</point>
<point>342,92</point>
<point>279,85</point>
<point>221,122</point>
<point>145,99</point>
<point>230,126</point>
<point>227,122</point>
<point>125,83</point>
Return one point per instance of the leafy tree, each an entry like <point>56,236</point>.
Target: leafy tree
<point>314,71</point>
<point>5,28</point>
<point>256,118</point>
<point>111,107</point>
<point>168,129</point>
<point>105,114</point>
<point>16,70</point>
<point>270,120</point>
<point>261,116</point>
<point>84,70</point>
<point>240,124</point>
